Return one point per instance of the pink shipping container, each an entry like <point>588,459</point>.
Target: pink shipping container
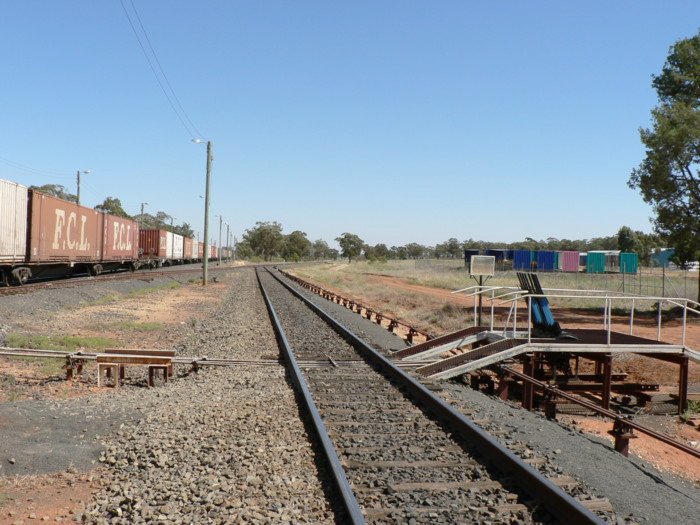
<point>152,243</point>
<point>569,261</point>
<point>121,239</point>
<point>200,250</point>
<point>63,231</point>
<point>188,248</point>
<point>214,252</point>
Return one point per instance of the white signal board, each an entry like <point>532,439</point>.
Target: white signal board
<point>483,265</point>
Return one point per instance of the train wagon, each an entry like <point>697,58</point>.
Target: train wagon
<point>195,251</point>
<point>153,247</point>
<point>13,229</point>
<point>120,243</point>
<point>187,257</point>
<point>178,249</point>
<point>63,238</point>
<point>200,251</point>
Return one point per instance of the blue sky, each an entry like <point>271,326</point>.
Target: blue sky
<point>400,121</point>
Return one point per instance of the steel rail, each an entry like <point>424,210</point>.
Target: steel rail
<point>558,503</point>
<point>350,504</point>
<point>317,288</point>
<point>602,411</point>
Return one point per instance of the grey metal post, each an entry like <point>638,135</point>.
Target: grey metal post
<point>141,216</point>
<point>78,177</point>
<point>221,220</point>
<point>205,265</point>
<point>228,241</point>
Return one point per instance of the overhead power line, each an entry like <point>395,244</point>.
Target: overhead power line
<point>153,61</point>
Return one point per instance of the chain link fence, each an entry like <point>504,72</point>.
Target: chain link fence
<point>654,282</point>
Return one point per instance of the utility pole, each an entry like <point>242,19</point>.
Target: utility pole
<point>205,271</point>
<point>77,176</point>
<point>141,216</point>
<point>228,241</point>
<point>221,220</point>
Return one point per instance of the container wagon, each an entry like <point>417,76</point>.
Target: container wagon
<point>187,257</point>
<point>43,236</point>
<point>522,260</point>
<point>153,250</point>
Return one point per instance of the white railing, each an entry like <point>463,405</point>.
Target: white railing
<point>514,294</point>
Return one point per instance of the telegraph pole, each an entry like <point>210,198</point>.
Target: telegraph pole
<point>141,216</point>
<point>221,220</point>
<point>205,266</point>
<point>228,242</point>
<point>77,176</point>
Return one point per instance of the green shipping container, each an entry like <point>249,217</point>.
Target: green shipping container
<point>595,263</point>
<point>629,262</point>
<point>557,262</point>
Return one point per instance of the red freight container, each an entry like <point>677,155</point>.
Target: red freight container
<point>121,239</point>
<point>153,243</point>
<point>63,231</point>
<point>187,252</point>
<point>200,251</point>
<point>213,253</point>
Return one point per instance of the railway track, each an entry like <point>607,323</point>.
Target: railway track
<point>398,453</point>
<point>72,282</point>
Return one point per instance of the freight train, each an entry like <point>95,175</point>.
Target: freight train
<point>42,236</point>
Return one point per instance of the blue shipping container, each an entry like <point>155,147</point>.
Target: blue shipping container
<point>522,260</point>
<point>545,261</point>
<point>468,256</point>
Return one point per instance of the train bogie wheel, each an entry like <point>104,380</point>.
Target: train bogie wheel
<point>4,279</point>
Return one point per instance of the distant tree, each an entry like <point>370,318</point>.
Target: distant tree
<point>56,190</point>
<point>627,240</point>
<point>669,176</point>
<point>414,250</point>
<point>113,206</point>
<point>398,252</point>
<point>453,248</point>
<point>244,251</point>
<point>350,245</point>
<point>319,249</point>
<point>185,230</point>
<point>265,239</point>
<point>381,251</point>
<point>296,246</point>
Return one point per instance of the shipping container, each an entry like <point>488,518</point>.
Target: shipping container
<point>188,249</point>
<point>193,250</point>
<point>583,260</point>
<point>468,256</point>
<point>662,257</point>
<point>545,261</point>
<point>522,260</point>
<point>595,262</point>
<point>169,245</point>
<point>178,247</point>
<point>629,262</point>
<point>13,222</point>
<point>214,252</point>
<point>200,250</point>
<point>153,244</point>
<point>570,261</point>
<point>499,253</point>
<point>120,239</point>
<point>62,231</point>
<point>612,262</point>
<point>557,260</point>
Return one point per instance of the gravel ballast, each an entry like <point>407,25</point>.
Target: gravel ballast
<point>638,491</point>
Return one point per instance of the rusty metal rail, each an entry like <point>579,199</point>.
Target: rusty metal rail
<point>389,323</point>
<point>349,503</point>
<point>126,275</point>
<point>622,429</point>
<point>555,500</point>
